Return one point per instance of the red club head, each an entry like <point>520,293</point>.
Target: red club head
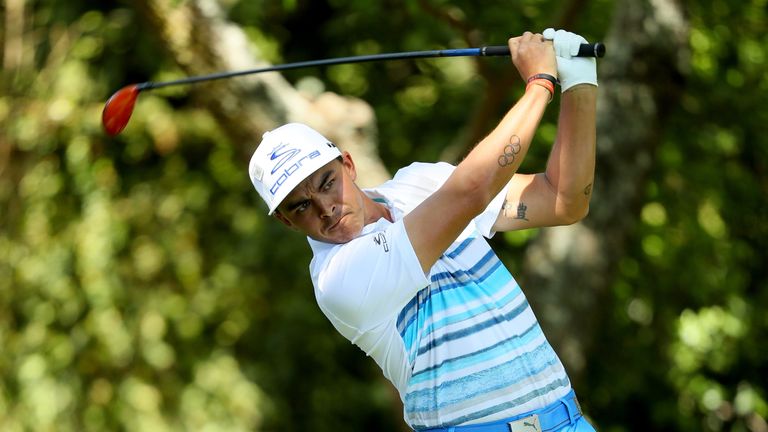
<point>118,109</point>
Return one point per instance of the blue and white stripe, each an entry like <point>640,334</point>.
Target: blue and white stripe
<point>476,350</point>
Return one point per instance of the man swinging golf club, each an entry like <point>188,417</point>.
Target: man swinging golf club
<point>403,271</point>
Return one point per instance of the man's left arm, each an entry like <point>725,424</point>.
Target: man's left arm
<point>561,194</point>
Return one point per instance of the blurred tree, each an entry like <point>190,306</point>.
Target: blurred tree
<point>200,40</point>
<point>142,287</point>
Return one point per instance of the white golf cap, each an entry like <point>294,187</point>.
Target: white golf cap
<point>286,156</point>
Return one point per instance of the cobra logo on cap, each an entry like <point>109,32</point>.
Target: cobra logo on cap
<point>291,169</point>
<point>285,156</point>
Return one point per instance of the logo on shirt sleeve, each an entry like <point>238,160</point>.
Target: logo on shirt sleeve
<point>381,240</point>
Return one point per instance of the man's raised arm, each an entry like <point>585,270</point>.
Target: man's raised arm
<point>437,222</point>
<point>561,194</point>
<point>571,166</point>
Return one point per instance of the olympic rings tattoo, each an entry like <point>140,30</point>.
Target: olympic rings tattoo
<point>510,151</point>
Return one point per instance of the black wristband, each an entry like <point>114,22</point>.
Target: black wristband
<point>547,77</point>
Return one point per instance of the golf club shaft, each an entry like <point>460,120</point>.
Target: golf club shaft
<point>586,50</point>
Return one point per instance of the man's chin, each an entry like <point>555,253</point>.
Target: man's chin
<point>339,236</point>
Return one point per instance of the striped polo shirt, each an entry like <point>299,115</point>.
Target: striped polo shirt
<point>461,344</point>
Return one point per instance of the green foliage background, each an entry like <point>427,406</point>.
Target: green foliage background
<point>142,286</point>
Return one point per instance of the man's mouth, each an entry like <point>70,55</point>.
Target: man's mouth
<point>336,224</point>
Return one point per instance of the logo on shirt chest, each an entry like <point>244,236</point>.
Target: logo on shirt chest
<point>381,240</point>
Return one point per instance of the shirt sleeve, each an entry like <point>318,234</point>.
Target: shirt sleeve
<point>367,281</point>
<point>487,219</point>
<point>430,177</point>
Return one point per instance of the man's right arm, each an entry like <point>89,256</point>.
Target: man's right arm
<point>438,221</point>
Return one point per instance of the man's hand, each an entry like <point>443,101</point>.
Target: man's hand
<point>532,55</point>
<point>571,70</point>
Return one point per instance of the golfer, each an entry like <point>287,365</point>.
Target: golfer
<point>404,272</point>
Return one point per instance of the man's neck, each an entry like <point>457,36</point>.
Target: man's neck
<point>375,210</point>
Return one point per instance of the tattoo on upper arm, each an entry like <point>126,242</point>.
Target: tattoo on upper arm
<point>588,189</point>
<point>521,209</point>
<point>511,151</point>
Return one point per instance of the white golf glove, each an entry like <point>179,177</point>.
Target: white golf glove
<point>571,70</point>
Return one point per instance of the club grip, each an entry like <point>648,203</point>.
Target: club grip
<point>596,49</point>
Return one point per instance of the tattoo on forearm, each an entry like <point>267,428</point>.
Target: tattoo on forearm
<point>521,209</point>
<point>511,151</point>
<point>588,189</point>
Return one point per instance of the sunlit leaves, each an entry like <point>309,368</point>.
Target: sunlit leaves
<point>710,220</point>
<point>654,214</point>
<point>519,238</point>
<point>706,345</point>
<point>96,247</point>
<point>142,286</point>
<point>349,78</point>
<point>704,338</point>
<point>418,98</point>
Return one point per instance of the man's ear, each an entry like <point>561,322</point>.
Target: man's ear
<point>279,216</point>
<point>349,165</point>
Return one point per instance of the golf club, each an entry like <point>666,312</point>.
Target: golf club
<point>119,107</point>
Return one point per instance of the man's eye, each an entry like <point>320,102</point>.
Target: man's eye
<point>328,185</point>
<point>303,206</point>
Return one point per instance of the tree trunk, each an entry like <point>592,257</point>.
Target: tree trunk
<point>569,270</point>
<point>201,41</point>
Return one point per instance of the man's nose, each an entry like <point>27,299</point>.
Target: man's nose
<point>326,207</point>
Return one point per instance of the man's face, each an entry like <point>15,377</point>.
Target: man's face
<point>327,206</point>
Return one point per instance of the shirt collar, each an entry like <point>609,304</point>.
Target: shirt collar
<point>396,213</point>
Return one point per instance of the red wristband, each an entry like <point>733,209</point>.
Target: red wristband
<point>547,77</point>
<point>543,83</point>
<point>545,80</point>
